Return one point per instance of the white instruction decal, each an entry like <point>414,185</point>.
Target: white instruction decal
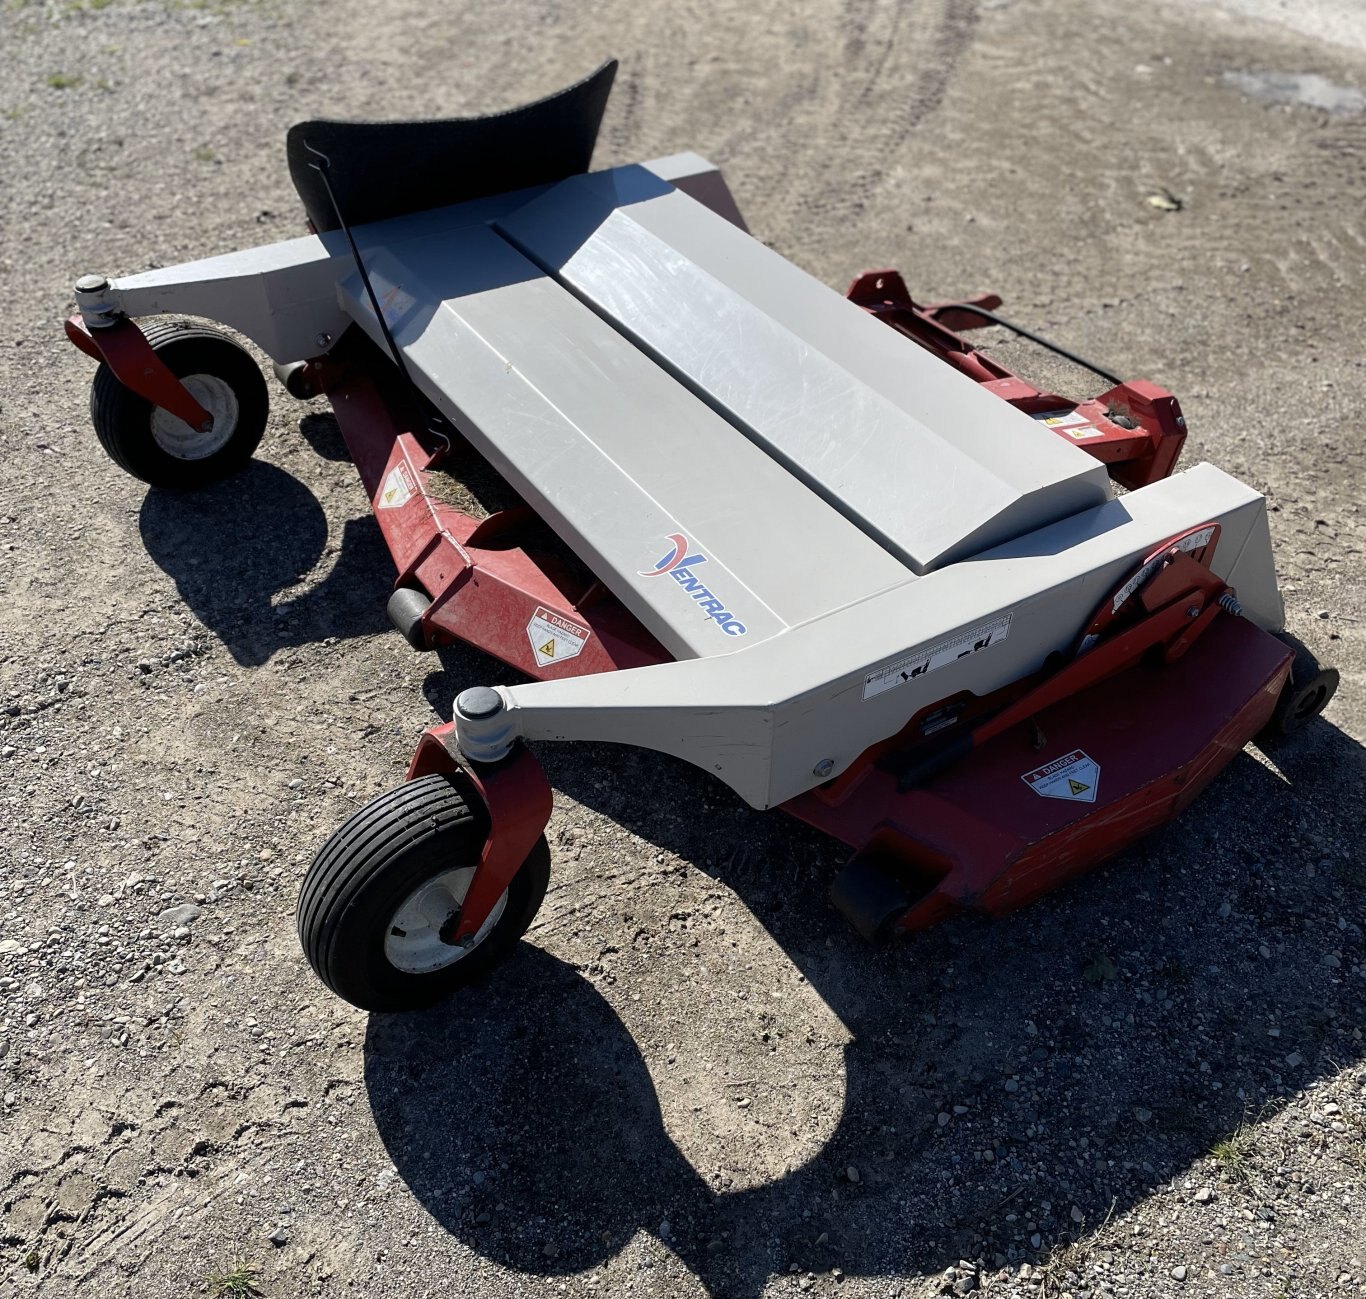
<point>1061,418</point>
<point>554,639</point>
<point>1188,544</point>
<point>919,662</point>
<point>397,489</point>
<point>1074,777</point>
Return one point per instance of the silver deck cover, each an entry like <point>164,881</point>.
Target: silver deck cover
<point>916,454</point>
<point>612,451</point>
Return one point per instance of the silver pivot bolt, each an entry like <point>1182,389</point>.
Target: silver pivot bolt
<point>94,303</point>
<point>483,727</point>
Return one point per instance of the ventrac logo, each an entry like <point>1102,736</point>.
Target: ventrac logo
<point>679,565</point>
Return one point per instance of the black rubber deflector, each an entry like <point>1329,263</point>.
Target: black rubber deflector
<point>388,169</point>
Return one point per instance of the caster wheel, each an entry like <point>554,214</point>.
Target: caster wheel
<point>872,899</point>
<point>156,446</point>
<point>378,907</point>
<point>405,609</point>
<point>296,379</point>
<point>1303,697</point>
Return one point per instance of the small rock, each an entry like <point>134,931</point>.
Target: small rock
<point>1179,1272</point>
<point>551,1249</point>
<point>943,1119</point>
<point>1077,1214</point>
<point>852,1173</point>
<point>8,946</point>
<point>1204,1195</point>
<point>1036,1240</point>
<point>1294,1059</point>
<point>1332,960</point>
<point>279,1237</point>
<point>184,914</point>
<point>1012,1085</point>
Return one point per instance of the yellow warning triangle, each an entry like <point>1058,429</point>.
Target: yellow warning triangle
<point>548,649</point>
<point>1076,786</point>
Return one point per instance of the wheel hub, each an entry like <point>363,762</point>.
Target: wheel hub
<point>179,439</point>
<point>421,933</point>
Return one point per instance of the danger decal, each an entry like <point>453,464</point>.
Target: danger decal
<point>398,488</point>
<point>1074,777</point>
<point>918,663</point>
<point>554,639</point>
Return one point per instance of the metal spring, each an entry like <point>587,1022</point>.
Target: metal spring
<point>1228,602</point>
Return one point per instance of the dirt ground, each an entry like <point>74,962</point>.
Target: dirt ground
<point>692,1079</point>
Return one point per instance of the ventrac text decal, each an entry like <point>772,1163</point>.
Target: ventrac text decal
<point>680,566</point>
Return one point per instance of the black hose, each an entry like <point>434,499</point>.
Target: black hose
<point>1029,334</point>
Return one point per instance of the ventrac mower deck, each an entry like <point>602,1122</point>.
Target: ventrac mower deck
<point>819,546</point>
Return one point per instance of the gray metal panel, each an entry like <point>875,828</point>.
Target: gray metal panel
<point>701,180</point>
<point>283,296</point>
<point>918,455</point>
<point>763,718</point>
<point>611,450</point>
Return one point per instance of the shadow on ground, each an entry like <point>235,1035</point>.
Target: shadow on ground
<point>236,549</point>
<point>1131,1015</point>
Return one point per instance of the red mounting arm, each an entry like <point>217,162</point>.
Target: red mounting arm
<point>1136,428</point>
<point>124,348</point>
<point>519,801</point>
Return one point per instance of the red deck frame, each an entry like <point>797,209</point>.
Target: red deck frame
<point>1160,696</point>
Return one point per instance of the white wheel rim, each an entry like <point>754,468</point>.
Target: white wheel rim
<point>413,942</point>
<point>178,439</point>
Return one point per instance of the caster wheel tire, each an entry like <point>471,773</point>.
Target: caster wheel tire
<point>1304,696</point>
<point>380,901</point>
<point>156,446</point>
<point>296,379</point>
<point>871,898</point>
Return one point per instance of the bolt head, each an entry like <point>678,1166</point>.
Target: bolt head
<point>323,340</point>
<point>823,768</point>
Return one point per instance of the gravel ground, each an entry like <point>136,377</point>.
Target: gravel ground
<point>692,1080</point>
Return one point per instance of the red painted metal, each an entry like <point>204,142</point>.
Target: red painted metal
<point>519,800</point>
<point>1164,687</point>
<point>124,348</point>
<point>1136,429</point>
<point>978,837</point>
<point>493,582</point>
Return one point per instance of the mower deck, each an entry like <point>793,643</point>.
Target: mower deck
<point>861,572</point>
